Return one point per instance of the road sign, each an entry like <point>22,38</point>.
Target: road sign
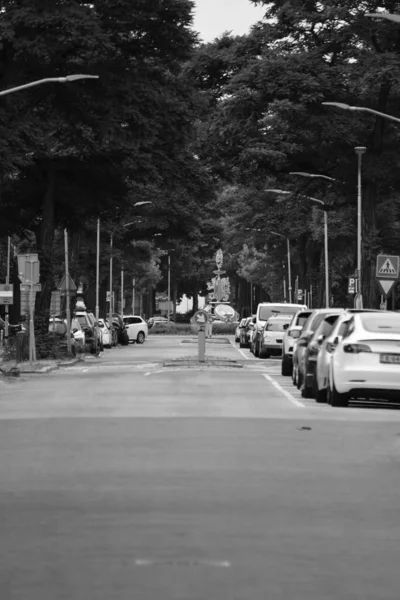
<point>22,259</point>
<point>55,303</point>
<point>25,287</point>
<point>386,285</point>
<point>200,317</point>
<point>300,295</point>
<point>32,271</point>
<point>387,266</point>
<point>63,285</point>
<point>352,287</point>
<point>6,293</point>
<point>25,296</point>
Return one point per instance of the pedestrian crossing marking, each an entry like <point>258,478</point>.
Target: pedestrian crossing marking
<point>387,268</point>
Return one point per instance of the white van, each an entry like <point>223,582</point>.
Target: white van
<point>265,310</point>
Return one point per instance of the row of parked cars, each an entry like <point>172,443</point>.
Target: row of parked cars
<point>89,334</point>
<point>332,354</point>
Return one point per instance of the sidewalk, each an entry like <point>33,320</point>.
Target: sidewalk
<point>38,367</point>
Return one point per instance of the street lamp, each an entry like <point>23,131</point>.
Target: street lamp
<point>66,79</point>
<point>388,16</point>
<point>358,300</point>
<point>312,175</point>
<point>361,109</point>
<point>325,208</point>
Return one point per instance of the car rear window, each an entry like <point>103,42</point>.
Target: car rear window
<point>379,323</point>
<point>302,318</point>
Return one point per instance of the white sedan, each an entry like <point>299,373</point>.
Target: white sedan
<point>137,328</point>
<point>366,361</point>
<point>105,330</point>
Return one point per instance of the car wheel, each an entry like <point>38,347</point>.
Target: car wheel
<point>306,392</point>
<point>287,366</point>
<point>140,337</point>
<point>241,345</point>
<point>320,396</point>
<point>335,398</point>
<point>237,340</point>
<point>256,350</point>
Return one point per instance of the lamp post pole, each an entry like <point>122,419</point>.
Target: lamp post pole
<point>66,79</point>
<point>97,269</point>
<point>358,300</point>
<point>289,270</point>
<point>111,279</point>
<point>6,320</point>
<point>169,286</point>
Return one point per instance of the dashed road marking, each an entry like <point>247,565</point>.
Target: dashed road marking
<point>239,350</point>
<point>287,394</point>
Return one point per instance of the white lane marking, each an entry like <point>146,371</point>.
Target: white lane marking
<point>148,562</point>
<point>239,350</point>
<point>147,374</point>
<point>284,392</point>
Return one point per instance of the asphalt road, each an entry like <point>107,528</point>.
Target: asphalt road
<point>123,479</point>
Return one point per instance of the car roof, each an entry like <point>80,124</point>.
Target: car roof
<point>129,316</point>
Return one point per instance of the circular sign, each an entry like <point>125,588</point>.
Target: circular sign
<point>201,317</point>
<point>224,311</point>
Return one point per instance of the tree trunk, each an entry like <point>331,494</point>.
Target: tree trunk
<point>195,301</point>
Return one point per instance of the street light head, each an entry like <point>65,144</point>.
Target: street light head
<point>388,16</point>
<point>360,149</point>
<point>278,191</point>
<point>338,105</point>
<point>312,175</point>
<point>143,202</point>
<point>69,78</point>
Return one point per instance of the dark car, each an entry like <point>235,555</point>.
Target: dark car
<point>120,327</point>
<point>244,331</point>
<point>310,356</point>
<point>91,329</point>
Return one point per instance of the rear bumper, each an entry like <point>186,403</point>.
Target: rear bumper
<point>377,381</point>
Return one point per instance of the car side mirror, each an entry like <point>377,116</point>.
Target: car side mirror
<point>336,341</point>
<point>320,339</point>
<point>286,326</point>
<point>294,333</point>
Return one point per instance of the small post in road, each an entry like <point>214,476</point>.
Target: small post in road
<point>201,318</point>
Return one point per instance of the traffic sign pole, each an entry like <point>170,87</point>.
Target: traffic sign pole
<point>68,309</point>
<point>6,320</point>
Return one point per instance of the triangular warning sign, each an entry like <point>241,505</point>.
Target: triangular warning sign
<point>387,268</point>
<point>63,288</point>
<point>386,285</point>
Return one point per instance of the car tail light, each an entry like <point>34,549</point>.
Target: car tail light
<point>356,348</point>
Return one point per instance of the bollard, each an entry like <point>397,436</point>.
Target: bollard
<point>202,344</point>
<point>19,346</point>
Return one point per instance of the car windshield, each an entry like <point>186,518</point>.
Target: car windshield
<point>275,325</point>
<point>268,311</point>
<point>301,319</point>
<point>379,323</point>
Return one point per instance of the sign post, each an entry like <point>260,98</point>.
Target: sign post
<point>31,277</point>
<point>387,272</point>
<point>201,318</point>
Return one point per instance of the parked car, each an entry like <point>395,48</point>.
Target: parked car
<point>58,328</point>
<point>118,325</point>
<point>265,310</point>
<point>106,333</point>
<point>327,347</point>
<point>250,331</point>
<point>309,328</point>
<point>157,320</point>
<point>93,337</point>
<point>137,328</point>
<point>366,362</point>
<point>244,332</point>
<point>272,336</point>
<point>241,323</point>
<point>288,339</point>
<point>311,351</point>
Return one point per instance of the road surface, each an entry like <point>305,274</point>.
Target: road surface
<point>124,479</point>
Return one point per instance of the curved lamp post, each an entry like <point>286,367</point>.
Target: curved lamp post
<point>66,79</point>
<point>325,208</point>
<point>361,109</point>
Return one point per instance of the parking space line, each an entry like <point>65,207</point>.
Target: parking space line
<point>287,394</point>
<point>239,350</point>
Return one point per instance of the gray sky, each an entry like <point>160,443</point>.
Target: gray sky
<point>213,17</point>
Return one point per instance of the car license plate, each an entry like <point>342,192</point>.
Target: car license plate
<point>393,359</point>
